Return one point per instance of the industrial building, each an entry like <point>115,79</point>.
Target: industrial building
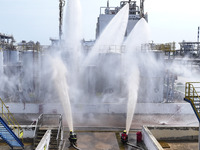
<point>101,91</point>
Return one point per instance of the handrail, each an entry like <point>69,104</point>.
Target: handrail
<point>60,126</point>
<point>45,141</point>
<point>191,96</point>
<point>190,90</point>
<point>63,146</point>
<point>7,115</point>
<point>41,122</point>
<point>11,139</point>
<point>36,126</point>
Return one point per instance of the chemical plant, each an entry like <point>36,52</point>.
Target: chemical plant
<point>120,91</point>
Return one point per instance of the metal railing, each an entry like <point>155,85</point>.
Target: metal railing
<point>50,121</point>
<point>192,91</point>
<point>38,122</point>
<point>10,120</point>
<point>111,49</point>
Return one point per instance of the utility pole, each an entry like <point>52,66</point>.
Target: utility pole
<point>61,5</point>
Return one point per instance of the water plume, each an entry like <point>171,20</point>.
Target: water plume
<point>60,82</point>
<point>136,38</point>
<point>112,35</point>
<point>133,86</point>
<point>73,26</point>
<point>72,37</point>
<point>139,35</point>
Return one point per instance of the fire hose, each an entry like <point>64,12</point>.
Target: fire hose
<point>137,147</point>
<point>74,146</point>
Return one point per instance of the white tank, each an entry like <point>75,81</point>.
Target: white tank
<point>1,62</point>
<point>151,78</point>
<point>10,56</point>
<point>30,63</point>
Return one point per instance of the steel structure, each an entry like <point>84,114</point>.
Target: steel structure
<point>189,48</point>
<point>107,13</point>
<point>10,120</point>
<point>192,92</point>
<point>61,5</point>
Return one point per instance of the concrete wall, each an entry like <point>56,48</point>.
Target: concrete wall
<point>151,135</point>
<point>149,140</point>
<point>175,133</point>
<point>141,108</point>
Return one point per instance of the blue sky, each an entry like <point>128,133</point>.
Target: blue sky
<point>37,20</point>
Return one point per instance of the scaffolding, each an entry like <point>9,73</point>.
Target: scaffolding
<point>190,49</point>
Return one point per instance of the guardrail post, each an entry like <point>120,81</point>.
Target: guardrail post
<point>189,90</point>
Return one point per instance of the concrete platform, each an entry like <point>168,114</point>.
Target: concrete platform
<point>169,137</point>
<point>96,141</point>
<point>182,145</point>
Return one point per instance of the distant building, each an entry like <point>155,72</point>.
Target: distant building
<point>107,13</point>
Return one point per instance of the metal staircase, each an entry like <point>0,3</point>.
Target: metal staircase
<point>9,136</point>
<point>10,130</point>
<point>52,122</point>
<point>192,95</point>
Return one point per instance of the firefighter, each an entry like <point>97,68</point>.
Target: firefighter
<point>72,138</point>
<point>124,137</point>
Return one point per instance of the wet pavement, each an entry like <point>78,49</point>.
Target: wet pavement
<point>96,141</point>
<point>95,136</point>
<point>102,141</point>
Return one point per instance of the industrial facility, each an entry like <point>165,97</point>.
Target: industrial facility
<point>50,92</point>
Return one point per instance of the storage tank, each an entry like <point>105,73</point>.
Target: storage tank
<point>11,63</point>
<point>1,62</point>
<point>151,78</point>
<point>10,57</point>
<point>30,79</point>
<point>105,76</point>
